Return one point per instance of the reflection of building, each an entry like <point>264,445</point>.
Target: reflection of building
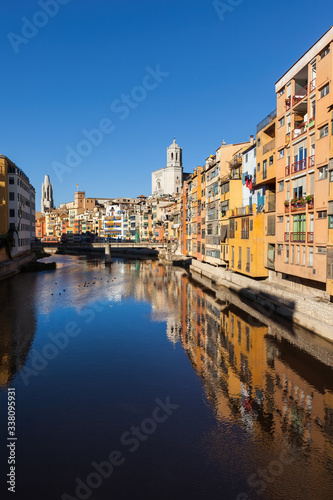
<point>18,325</point>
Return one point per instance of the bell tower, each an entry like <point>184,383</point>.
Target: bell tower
<point>174,155</point>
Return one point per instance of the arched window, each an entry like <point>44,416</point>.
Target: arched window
<point>171,156</point>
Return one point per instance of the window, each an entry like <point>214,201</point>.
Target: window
<point>281,153</point>
<point>321,250</point>
<point>246,158</point>
<point>270,225</point>
<point>325,90</point>
<point>331,175</point>
<point>292,254</point>
<point>298,250</point>
<point>330,222</point>
<point>281,121</point>
<point>279,249</point>
<point>287,254</point>
<point>281,186</point>
<point>258,141</point>
<point>325,52</point>
<point>322,173</point>
<point>310,256</point>
<point>11,212</point>
<point>282,91</point>
<point>245,228</point>
<point>258,167</point>
<point>11,180</point>
<point>11,196</point>
<point>271,160</point>
<point>322,214</point>
<point>264,169</point>
<point>280,218</point>
<point>303,256</point>
<point>323,131</point>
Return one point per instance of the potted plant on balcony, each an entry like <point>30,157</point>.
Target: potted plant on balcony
<point>309,198</point>
<point>286,203</point>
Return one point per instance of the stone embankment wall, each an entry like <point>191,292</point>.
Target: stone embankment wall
<point>310,312</point>
<point>11,267</point>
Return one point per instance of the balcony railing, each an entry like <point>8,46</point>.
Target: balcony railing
<point>312,85</point>
<point>298,166</point>
<point>247,210</point>
<point>236,161</point>
<point>288,169</point>
<point>300,94</point>
<point>298,237</point>
<point>310,237</point>
<point>288,103</point>
<point>311,161</point>
<point>299,130</point>
<point>269,146</point>
<point>311,123</point>
<point>297,205</point>
<point>269,118</point>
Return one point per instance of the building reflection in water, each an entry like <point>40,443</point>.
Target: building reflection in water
<point>271,387</point>
<point>18,324</point>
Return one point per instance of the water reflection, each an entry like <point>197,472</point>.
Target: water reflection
<point>17,324</point>
<point>267,387</point>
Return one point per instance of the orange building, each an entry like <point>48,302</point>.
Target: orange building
<point>303,144</point>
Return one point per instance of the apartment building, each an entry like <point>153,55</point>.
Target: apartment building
<point>17,207</point>
<point>304,178</point>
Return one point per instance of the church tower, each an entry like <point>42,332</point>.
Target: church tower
<point>174,155</point>
<point>47,195</point>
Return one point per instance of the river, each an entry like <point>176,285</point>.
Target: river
<point>132,381</point>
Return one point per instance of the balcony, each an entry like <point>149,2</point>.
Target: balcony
<point>269,118</point>
<point>311,161</point>
<point>288,169</point>
<point>239,211</point>
<point>286,206</point>
<point>297,205</point>
<point>298,166</point>
<point>310,237</point>
<point>298,237</point>
<point>236,161</point>
<point>269,146</point>
<point>311,123</point>
<point>288,103</point>
<point>299,130</point>
<point>300,94</point>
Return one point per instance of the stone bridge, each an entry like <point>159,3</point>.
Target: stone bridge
<point>164,251</point>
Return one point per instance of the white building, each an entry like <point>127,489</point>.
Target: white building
<point>169,180</point>
<point>115,222</point>
<point>21,208</point>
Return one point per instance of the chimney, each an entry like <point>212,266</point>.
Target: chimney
<point>251,139</point>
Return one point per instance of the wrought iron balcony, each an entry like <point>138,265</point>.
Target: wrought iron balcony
<point>300,94</point>
<point>298,166</point>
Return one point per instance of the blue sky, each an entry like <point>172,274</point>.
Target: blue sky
<point>62,77</point>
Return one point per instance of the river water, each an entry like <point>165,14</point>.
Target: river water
<point>135,382</point>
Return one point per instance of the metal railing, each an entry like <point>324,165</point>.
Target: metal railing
<point>299,165</point>
<point>299,130</point>
<point>298,237</point>
<point>310,237</point>
<point>300,94</point>
<point>269,118</point>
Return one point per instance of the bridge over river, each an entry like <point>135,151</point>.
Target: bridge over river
<point>165,251</point>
